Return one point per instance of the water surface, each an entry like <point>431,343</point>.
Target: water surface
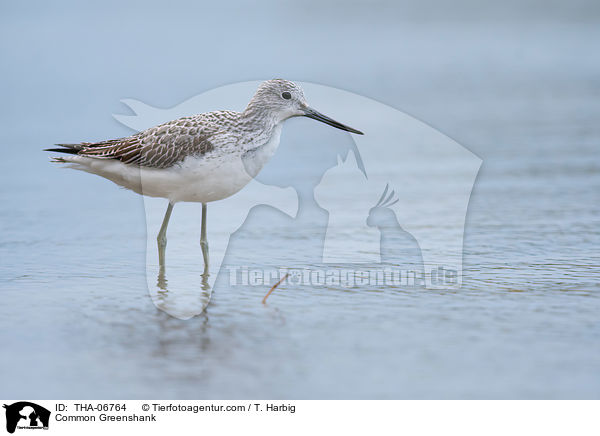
<point>521,93</point>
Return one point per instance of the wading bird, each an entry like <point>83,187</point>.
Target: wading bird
<point>199,158</point>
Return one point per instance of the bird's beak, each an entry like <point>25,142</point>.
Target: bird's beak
<point>311,113</point>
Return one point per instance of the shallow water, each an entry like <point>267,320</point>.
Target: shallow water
<point>76,315</point>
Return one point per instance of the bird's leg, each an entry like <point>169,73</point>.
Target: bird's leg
<point>203,239</point>
<point>161,239</point>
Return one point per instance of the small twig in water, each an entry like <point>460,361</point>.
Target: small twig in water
<point>273,288</point>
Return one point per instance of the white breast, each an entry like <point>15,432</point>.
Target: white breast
<point>256,158</point>
<point>220,177</point>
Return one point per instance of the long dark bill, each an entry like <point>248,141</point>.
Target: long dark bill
<point>311,113</point>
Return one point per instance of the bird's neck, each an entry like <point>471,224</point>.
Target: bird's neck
<point>260,127</point>
<point>261,149</point>
<point>258,116</point>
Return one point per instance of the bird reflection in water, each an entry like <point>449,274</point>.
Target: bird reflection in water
<point>181,305</point>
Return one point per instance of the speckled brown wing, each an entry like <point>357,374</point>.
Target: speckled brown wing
<point>158,147</point>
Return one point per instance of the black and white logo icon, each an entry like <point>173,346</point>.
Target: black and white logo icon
<point>26,415</point>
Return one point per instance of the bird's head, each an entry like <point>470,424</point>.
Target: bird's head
<point>284,99</point>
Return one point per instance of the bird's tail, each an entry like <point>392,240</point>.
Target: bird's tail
<point>67,148</point>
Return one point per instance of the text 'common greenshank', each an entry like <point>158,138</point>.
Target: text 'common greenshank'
<point>200,158</point>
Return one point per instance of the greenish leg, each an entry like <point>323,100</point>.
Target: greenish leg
<point>203,239</point>
<point>161,239</point>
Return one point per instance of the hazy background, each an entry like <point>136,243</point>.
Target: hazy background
<point>518,83</point>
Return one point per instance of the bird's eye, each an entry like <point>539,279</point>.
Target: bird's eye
<point>286,95</point>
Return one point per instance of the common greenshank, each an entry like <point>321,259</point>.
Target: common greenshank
<point>199,158</point>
